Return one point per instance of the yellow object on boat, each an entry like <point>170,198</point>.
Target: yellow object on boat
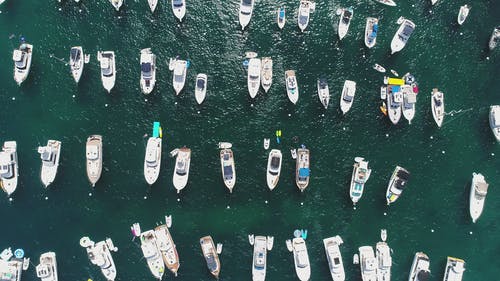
<point>383,108</point>
<point>395,81</point>
<point>161,133</point>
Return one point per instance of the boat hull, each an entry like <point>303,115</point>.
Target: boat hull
<point>370,42</point>
<point>266,74</point>
<point>253,78</point>
<point>228,168</point>
<point>292,88</point>
<point>48,172</point>
<point>94,158</point>
<point>302,162</point>
<point>209,253</point>
<point>347,97</point>
<point>181,170</point>
<point>9,150</point>
<point>148,80</point>
<point>476,202</point>
<point>334,258</point>
<point>77,66</point>
<point>200,93</point>
<point>273,175</point>
<point>167,248</point>
<point>495,121</point>
<point>437,110</point>
<point>21,74</point>
<point>152,160</point>
<point>301,259</point>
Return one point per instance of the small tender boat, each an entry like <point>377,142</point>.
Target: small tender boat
<point>100,254</point>
<point>211,255</point>
<point>394,103</point>
<point>227,165</point>
<point>292,88</point>
<point>94,158</point>
<point>302,170</point>
<point>347,97</point>
<point>394,72</point>
<point>108,69</point>
<point>181,170</point>
<point>367,263</point>
<point>293,153</point>
<point>420,268</point>
<point>273,168</point>
<point>495,38</point>
<point>345,21</point>
<point>397,184</point>
<point>152,254</point>
<point>266,75</point>
<point>148,71</point>
<point>371,31</point>
<point>387,2</point>
<point>179,8</point>
<point>281,19</point>
<point>50,155</point>
<point>179,77</point>
<point>301,258</point>
<point>266,143</point>
<point>478,192</point>
<point>462,14</point>
<point>136,230</point>
<point>402,35</point>
<point>117,4</point>
<point>334,257</point>
<point>323,92</point>
<point>47,269</point>
<point>305,9</point>
<point>409,101</point>
<point>433,2</point>
<point>379,68</point>
<point>384,261</point>
<point>360,175</point>
<point>495,121</point>
<point>152,5</point>
<point>152,159</point>
<point>437,106</point>
<point>454,269</point>
<point>253,78</point>
<point>76,62</point>
<point>246,9</point>
<point>9,171</point>
<point>22,62</point>
<point>167,247</point>
<point>200,91</point>
<point>261,244</point>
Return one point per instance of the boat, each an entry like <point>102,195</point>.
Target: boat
<point>266,143</point>
<point>281,19</point>
<point>394,103</point>
<point>117,4</point>
<point>323,92</point>
<point>152,158</point>
<point>152,5</point>
<point>108,69</point>
<point>293,153</point>
<point>273,168</point>
<point>454,269</point>
<point>9,171</point>
<point>437,106</point>
<point>179,77</point>
<point>433,2</point>
<point>345,21</point>
<point>22,62</point>
<point>253,78</point>
<point>261,244</point>
<point>292,88</point>
<point>301,258</point>
<point>360,175</point>
<point>181,171</point>
<point>371,31</point>
<point>167,247</point>
<point>478,192</point>
<point>152,254</point>
<point>266,75</point>
<point>179,8</point>
<point>211,255</point>
<point>334,257</point>
<point>401,37</point>
<point>384,261</point>
<point>246,9</point>
<point>379,68</point>
<point>200,91</point>
<point>495,121</point>
<point>227,165</point>
<point>47,269</point>
<point>397,184</point>
<point>136,230</point>
<point>347,97</point>
<point>100,254</point>
<point>394,72</point>
<point>420,268</point>
<point>387,2</point>
<point>76,62</point>
<point>94,158</point>
<point>302,170</point>
<point>409,101</point>
<point>148,71</point>
<point>50,155</point>
<point>11,267</point>
<point>495,38</point>
<point>462,14</point>
<point>305,10</point>
<point>367,263</point>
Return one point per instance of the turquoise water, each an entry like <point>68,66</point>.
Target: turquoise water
<point>440,54</point>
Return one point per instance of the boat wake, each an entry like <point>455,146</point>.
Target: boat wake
<point>454,112</point>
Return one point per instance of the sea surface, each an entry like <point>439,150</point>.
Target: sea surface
<point>431,216</point>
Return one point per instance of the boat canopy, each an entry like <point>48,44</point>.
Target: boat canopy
<point>304,172</point>
<point>17,55</point>
<point>282,13</point>
<point>482,188</point>
<point>228,172</point>
<point>395,81</point>
<point>423,275</point>
<point>75,54</point>
<point>403,174</point>
<point>156,129</point>
<point>200,83</point>
<point>411,97</point>
<point>92,152</point>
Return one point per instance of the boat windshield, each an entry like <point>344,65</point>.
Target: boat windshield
<point>211,262</point>
<point>6,171</point>
<point>260,261</point>
<point>22,62</point>
<point>75,54</point>
<point>146,69</point>
<point>275,165</point>
<point>179,78</point>
<point>246,2</point>
<point>181,168</point>
<point>200,84</point>
<point>107,67</point>
<point>303,18</point>
<point>92,152</point>
<point>48,157</point>
<point>178,3</point>
<point>228,172</point>
<point>347,16</point>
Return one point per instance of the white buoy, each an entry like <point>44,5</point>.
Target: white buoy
<point>323,115</point>
<point>90,193</point>
<point>145,100</point>
<point>413,5</point>
<point>461,33</point>
<point>10,199</point>
<point>430,11</point>
<point>487,58</point>
<point>13,98</point>
<point>492,154</point>
<point>431,137</point>
<point>338,48</point>
<point>385,214</point>
<point>301,203</point>
<point>343,128</point>
<point>354,207</point>
<point>60,9</point>
<point>443,152</point>
<point>289,114</point>
<point>178,199</point>
<point>175,102</point>
<point>74,96</point>
<point>265,201</point>
<point>145,197</point>
<point>228,207</point>
<point>251,105</point>
<point>46,198</point>
<point>364,56</point>
<point>470,232</point>
<point>106,105</point>
<point>386,135</point>
<point>198,112</point>
<point>432,230</point>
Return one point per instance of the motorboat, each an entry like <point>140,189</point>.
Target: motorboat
<point>394,103</point>
<point>211,255</point>
<point>409,101</point>
<point>495,121</point>
<point>292,88</point>
<point>253,78</point>
<point>108,69</point>
<point>323,92</point>
<point>401,37</point>
<point>148,71</point>
<point>9,171</point>
<point>266,75</point>
<point>387,2</point>
<point>454,269</point>
<point>345,21</point>
<point>437,106</point>
<point>11,266</point>
<point>179,8</point>
<point>379,68</point>
<point>273,168</point>
<point>495,38</point>
<point>433,2</point>
<point>371,31</point>
<point>420,268</point>
<point>360,175</point>
<point>462,14</point>
<point>100,255</point>
<point>227,165</point>
<point>246,9</point>
<point>179,77</point>
<point>167,246</point>
<point>152,5</point>
<point>397,184</point>
<point>200,90</point>
<point>50,155</point>
<point>478,192</point>
<point>301,258</point>
<point>94,158</point>
<point>334,257</point>
<point>47,269</point>
<point>384,261</point>
<point>261,244</point>
<point>117,4</point>
<point>152,158</point>
<point>181,170</point>
<point>367,263</point>
<point>152,253</point>
<point>22,62</point>
<point>302,170</point>
<point>281,18</point>
<point>347,97</point>
<point>305,9</point>
<point>77,62</point>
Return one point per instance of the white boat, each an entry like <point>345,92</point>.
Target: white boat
<point>495,121</point>
<point>360,175</point>
<point>76,62</point>
<point>227,165</point>
<point>9,171</point>
<point>179,77</point>
<point>94,158</point>
<point>47,269</point>
<point>437,106</point>
<point>152,254</point>
<point>152,160</point>
<point>117,4</point>
<point>293,153</point>
<point>246,9</point>
<point>495,38</point>
<point>1,1</point>
<point>179,8</point>
<point>305,10</point>
<point>266,75</point>
<point>211,255</point>
<point>253,78</point>
<point>152,5</point>
<point>384,261</point>
<point>347,97</point>
<point>50,155</point>
<point>302,170</point>
<point>345,21</point>
<point>379,68</point>
<point>11,268</point>
<point>433,2</point>
<point>108,69</point>
<point>301,259</point>
<point>371,30</point>
<point>292,88</point>
<point>261,244</point>
<point>409,101</point>
<point>181,170</point>
<point>167,248</point>
<point>454,269</point>
<point>22,62</point>
<point>420,268</point>
<point>367,263</point>
<point>148,71</point>
<point>394,72</point>
<point>478,192</point>
<point>281,17</point>
<point>334,257</point>
<point>100,254</point>
<point>387,2</point>
<point>323,92</point>
<point>200,91</point>
<point>266,143</point>
<point>401,37</point>
<point>273,168</point>
<point>394,104</point>
<point>462,14</point>
<point>397,184</point>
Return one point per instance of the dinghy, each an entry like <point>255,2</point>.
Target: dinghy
<point>22,62</point>
<point>305,9</point>
<point>273,168</point>
<point>253,78</point>
<point>94,158</point>
<point>401,37</point>
<point>345,21</point>
<point>379,68</point>
<point>152,5</point>
<point>152,159</point>
<point>462,14</point>
<point>108,69</point>
<point>420,268</point>
<point>227,165</point>
<point>323,92</point>
<point>9,171</point>
<point>292,89</point>
<point>437,106</point>
<point>433,2</point>
<point>261,244</point>
<point>76,62</point>
<point>371,30</point>
<point>360,175</point>
<point>167,246</point>
<point>211,255</point>
<point>200,91</point>
<point>293,153</point>
<point>302,170</point>
<point>152,254</point>
<point>367,263</point>
<point>266,76</point>
<point>347,97</point>
<point>334,257</point>
<point>116,4</point>
<point>266,143</point>
<point>495,38</point>
<point>397,184</point>
<point>495,121</point>
<point>179,8</point>
<point>179,77</point>
<point>246,9</point>
<point>148,71</point>
<point>181,170</point>
<point>387,2</point>
<point>281,19</point>
<point>50,155</point>
<point>478,192</point>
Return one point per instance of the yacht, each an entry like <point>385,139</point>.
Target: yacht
<point>334,257</point>
<point>360,175</point>
<point>305,10</point>
<point>420,268</point>
<point>302,170</point>
<point>227,165</point>
<point>394,103</point>
<point>152,253</point>
<point>347,97</point>
<point>292,88</point>
<point>152,5</point>
<point>22,62</point>
<point>387,2</point>
<point>246,9</point>
<point>371,31</point>
<point>200,91</point>
<point>100,254</point>
<point>462,14</point>
<point>345,21</point>
<point>397,184</point>
<point>167,246</point>
<point>323,92</point>
<point>179,8</point>
<point>495,121</point>
<point>281,19</point>
<point>211,255</point>
<point>261,244</point>
<point>108,69</point>
<point>273,168</point>
<point>266,75</point>
<point>437,106</point>
<point>94,158</point>
<point>47,269</point>
<point>76,62</point>
<point>409,101</point>
<point>384,261</point>
<point>402,35</point>
<point>179,77</point>
<point>454,269</point>
<point>495,38</point>
<point>301,259</point>
<point>11,267</point>
<point>152,159</point>
<point>253,78</point>
<point>478,192</point>
<point>9,171</point>
<point>50,155</point>
<point>117,4</point>
<point>148,71</point>
<point>368,263</point>
<point>181,170</point>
